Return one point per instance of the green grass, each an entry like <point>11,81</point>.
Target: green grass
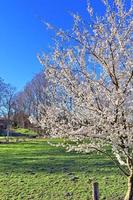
<point>33,170</point>
<point>25,131</point>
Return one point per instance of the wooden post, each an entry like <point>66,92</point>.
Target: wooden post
<point>95,191</point>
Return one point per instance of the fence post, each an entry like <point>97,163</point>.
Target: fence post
<point>95,188</point>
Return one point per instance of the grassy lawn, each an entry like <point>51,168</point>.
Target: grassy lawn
<point>25,131</point>
<point>33,170</point>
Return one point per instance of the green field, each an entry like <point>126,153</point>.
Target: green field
<point>34,170</point>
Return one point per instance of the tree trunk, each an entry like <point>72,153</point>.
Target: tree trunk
<point>7,135</point>
<point>8,131</point>
<point>129,195</point>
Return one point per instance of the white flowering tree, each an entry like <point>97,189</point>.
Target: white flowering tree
<point>91,71</point>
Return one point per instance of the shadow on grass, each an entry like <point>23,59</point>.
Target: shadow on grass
<point>32,157</point>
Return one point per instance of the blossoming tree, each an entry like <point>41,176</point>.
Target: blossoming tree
<point>91,71</point>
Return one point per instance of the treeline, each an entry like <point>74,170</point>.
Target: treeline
<point>20,109</point>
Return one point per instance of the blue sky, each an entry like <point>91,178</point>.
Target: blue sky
<point>23,35</point>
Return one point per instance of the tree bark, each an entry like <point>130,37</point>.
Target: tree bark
<point>7,134</point>
<point>129,195</point>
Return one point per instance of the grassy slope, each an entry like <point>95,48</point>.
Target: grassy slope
<point>25,131</point>
<point>33,170</point>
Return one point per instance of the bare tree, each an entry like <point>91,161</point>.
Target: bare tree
<point>2,89</point>
<point>6,104</point>
<point>28,101</point>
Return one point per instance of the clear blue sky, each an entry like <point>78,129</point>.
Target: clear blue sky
<point>22,34</point>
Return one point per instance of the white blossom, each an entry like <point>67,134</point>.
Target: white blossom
<point>92,78</point>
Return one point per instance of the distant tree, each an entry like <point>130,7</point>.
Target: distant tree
<point>21,110</point>
<point>36,93</point>
<point>2,89</point>
<point>91,69</point>
<point>30,103</point>
<point>6,103</point>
